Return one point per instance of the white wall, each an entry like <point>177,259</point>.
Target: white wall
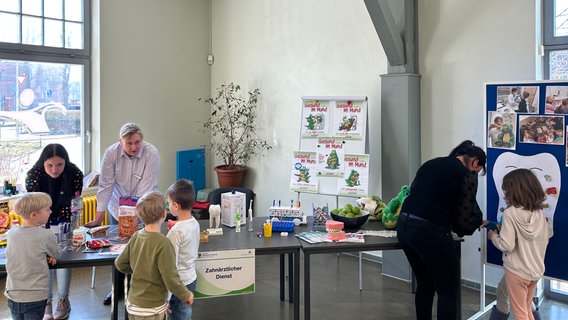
<point>291,49</point>
<point>152,60</point>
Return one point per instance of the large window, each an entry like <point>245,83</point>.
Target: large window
<point>44,81</point>
<point>556,68</point>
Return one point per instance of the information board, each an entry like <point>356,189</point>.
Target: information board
<point>526,128</point>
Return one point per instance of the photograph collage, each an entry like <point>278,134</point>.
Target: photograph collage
<point>521,117</point>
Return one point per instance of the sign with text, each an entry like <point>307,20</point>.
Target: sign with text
<point>225,273</point>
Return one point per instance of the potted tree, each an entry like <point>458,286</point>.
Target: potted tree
<point>234,139</point>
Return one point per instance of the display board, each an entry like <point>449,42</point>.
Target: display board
<point>526,128</point>
<point>332,158</point>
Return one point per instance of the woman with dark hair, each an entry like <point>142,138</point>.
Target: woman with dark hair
<point>54,174</point>
<point>441,200</point>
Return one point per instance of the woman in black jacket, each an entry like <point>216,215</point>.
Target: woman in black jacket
<point>441,200</point>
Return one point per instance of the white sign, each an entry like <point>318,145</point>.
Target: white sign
<point>225,273</point>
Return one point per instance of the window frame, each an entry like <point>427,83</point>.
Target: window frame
<point>551,43</point>
<point>25,52</point>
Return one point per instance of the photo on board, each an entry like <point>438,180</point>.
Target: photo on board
<point>556,100</point>
<point>501,129</point>
<point>541,129</point>
<point>520,99</point>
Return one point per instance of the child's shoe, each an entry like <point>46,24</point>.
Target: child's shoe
<point>63,308</point>
<point>48,313</point>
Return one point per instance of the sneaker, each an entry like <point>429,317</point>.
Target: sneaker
<point>63,308</point>
<point>48,313</point>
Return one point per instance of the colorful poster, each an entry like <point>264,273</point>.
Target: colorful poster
<point>303,177</point>
<point>355,181</point>
<point>330,157</point>
<point>225,273</point>
<point>315,118</point>
<point>349,118</point>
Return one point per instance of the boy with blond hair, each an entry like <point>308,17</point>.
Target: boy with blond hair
<point>184,236</point>
<point>30,248</point>
<point>150,257</point>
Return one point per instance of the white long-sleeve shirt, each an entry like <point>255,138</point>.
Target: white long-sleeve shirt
<point>122,175</point>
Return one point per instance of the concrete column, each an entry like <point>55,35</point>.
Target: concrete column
<point>400,132</point>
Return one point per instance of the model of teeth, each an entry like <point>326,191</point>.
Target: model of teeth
<point>544,166</point>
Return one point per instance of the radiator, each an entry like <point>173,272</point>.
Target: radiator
<point>90,209</point>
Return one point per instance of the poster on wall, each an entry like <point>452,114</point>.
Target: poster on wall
<point>355,181</point>
<point>539,145</point>
<point>303,177</point>
<point>349,118</point>
<point>315,118</point>
<point>330,162</point>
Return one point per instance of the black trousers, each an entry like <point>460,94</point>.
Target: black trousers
<point>434,259</point>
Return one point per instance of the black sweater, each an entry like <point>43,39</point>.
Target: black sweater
<point>443,192</point>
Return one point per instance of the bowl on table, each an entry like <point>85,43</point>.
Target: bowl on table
<point>352,223</point>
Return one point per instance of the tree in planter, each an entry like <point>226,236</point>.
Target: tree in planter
<point>232,125</point>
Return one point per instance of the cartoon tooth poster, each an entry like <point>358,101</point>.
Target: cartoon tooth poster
<point>315,118</point>
<point>303,177</point>
<point>355,180</point>
<point>330,153</point>
<point>349,118</point>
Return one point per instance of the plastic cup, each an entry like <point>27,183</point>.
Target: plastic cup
<point>268,230</point>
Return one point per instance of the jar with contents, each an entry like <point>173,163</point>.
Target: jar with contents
<point>78,237</point>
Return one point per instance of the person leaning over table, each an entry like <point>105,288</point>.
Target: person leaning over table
<point>129,168</point>
<point>441,200</point>
<point>56,175</point>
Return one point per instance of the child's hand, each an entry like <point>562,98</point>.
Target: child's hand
<point>190,300</point>
<point>51,260</point>
<point>169,310</point>
<point>490,225</point>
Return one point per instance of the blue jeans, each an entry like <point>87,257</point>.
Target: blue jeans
<point>27,310</point>
<point>433,256</point>
<point>180,309</point>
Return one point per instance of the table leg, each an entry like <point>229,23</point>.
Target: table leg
<point>115,284</point>
<point>306,286</point>
<point>296,286</point>
<point>282,275</point>
<point>291,277</point>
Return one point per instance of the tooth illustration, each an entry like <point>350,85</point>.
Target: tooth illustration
<point>547,170</point>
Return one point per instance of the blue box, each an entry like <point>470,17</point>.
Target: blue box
<point>282,226</point>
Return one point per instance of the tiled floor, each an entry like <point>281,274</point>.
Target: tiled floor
<point>335,295</point>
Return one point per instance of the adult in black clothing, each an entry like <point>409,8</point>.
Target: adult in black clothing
<point>441,200</point>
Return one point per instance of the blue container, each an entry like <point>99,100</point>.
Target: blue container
<point>282,226</point>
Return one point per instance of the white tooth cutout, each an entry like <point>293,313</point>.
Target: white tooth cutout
<point>543,165</point>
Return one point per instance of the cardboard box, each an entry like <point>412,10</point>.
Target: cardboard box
<point>231,203</point>
<point>127,221</point>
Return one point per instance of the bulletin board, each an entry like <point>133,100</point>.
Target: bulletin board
<point>525,127</point>
<point>332,157</point>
